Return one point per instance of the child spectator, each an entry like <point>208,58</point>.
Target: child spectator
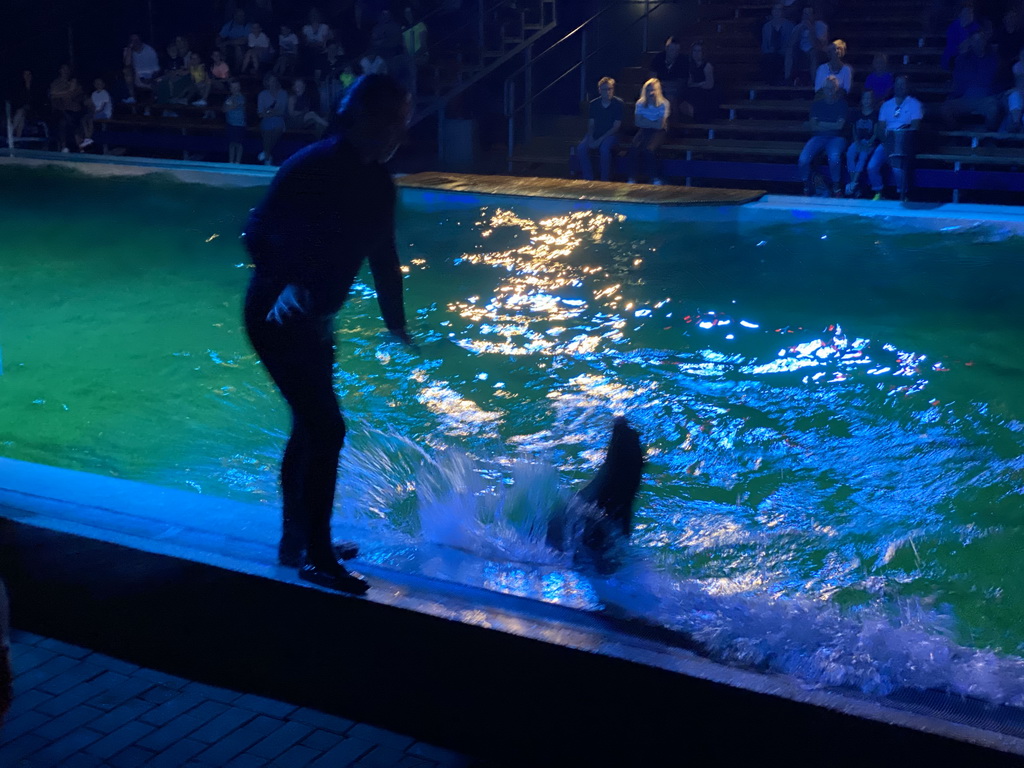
<point>373,64</point>
<point>259,50</point>
<point>234,116</point>
<point>835,67</point>
<point>898,120</point>
<point>651,119</point>
<point>287,51</point>
<point>200,81</point>
<point>774,36</point>
<point>220,74</point>
<point>863,142</point>
<point>879,81</point>
<point>83,136</point>
<point>604,120</point>
<point>271,106</point>
<point>102,105</point>
<point>828,117</point>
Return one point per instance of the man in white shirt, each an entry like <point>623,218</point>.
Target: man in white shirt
<point>144,65</point>
<point>899,119</point>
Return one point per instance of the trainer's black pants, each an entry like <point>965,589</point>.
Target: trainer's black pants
<point>299,356</point>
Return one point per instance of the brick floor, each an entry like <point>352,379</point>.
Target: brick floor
<point>74,708</point>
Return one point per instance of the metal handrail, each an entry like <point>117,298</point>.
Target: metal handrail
<point>583,61</point>
<point>555,44</point>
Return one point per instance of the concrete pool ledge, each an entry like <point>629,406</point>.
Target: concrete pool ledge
<point>641,201</point>
<point>152,575</point>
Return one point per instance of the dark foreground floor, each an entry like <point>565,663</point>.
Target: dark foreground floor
<point>74,708</point>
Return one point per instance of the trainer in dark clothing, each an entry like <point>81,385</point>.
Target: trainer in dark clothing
<point>330,208</point>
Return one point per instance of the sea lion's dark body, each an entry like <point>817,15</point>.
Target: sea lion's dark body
<point>599,518</point>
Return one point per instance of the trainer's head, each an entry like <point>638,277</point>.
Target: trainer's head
<point>374,116</point>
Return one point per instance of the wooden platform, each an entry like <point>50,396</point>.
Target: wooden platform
<point>575,189</point>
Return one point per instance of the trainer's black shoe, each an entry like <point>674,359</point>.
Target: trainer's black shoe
<point>293,558</point>
<point>335,577</point>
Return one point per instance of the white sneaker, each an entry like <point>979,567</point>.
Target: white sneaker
<point>631,181</point>
<point>657,182</point>
<point>129,100</point>
<point>850,188</point>
<point>65,150</point>
<point>199,103</point>
<point>261,156</point>
<point>85,143</point>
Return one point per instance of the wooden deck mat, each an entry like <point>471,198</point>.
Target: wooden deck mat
<point>575,189</point>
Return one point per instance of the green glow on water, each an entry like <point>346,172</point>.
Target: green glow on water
<point>897,472</point>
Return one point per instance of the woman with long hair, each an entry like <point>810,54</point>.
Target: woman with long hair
<point>651,120</point>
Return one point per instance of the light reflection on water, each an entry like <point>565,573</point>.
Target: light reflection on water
<point>833,427</point>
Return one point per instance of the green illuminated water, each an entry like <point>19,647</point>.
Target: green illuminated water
<point>839,480</point>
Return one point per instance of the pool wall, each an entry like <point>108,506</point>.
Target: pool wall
<point>92,561</point>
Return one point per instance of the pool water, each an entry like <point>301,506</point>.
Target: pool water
<point>832,408</point>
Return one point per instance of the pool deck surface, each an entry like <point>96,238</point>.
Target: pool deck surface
<point>76,708</point>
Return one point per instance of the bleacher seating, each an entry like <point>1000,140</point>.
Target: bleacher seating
<point>761,128</point>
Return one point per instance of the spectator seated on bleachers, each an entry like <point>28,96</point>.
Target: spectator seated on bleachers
<point>302,111</point>
<point>958,33</point>
<point>1014,106</point>
<point>259,53</point>
<point>775,33</point>
<point>865,136</point>
<point>200,82</point>
<point>604,119</point>
<point>141,61</point>
<point>220,74</point>
<point>287,52</point>
<point>650,116</point>
<point>66,108</point>
<point>828,118</point>
<point>1007,41</point>
<point>28,101</point>
<point>671,70</point>
<point>102,109</point>
<point>699,94</point>
<point>806,44</point>
<point>173,84</point>
<point>836,67</point>
<point>233,39</point>
<point>313,44</point>
<point>899,120</point>
<point>880,80</point>
<point>974,89</point>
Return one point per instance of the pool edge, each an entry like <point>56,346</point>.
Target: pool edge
<point>78,585</point>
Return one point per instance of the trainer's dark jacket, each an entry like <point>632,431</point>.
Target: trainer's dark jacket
<point>325,212</point>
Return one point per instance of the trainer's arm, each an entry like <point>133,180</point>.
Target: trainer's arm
<point>387,281</point>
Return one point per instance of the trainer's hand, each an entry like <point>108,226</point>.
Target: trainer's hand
<point>294,300</point>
